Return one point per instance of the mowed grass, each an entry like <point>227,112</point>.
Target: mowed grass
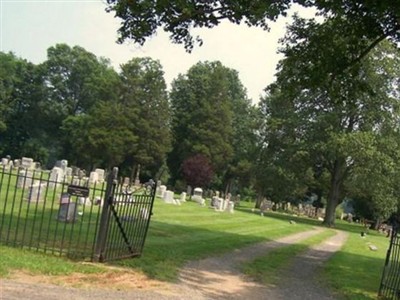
<point>266,269</point>
<point>356,271</point>
<point>178,234</point>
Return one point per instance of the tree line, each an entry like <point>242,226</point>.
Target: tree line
<point>327,128</point>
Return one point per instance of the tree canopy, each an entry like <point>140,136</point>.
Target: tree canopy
<point>370,19</point>
<point>316,116</point>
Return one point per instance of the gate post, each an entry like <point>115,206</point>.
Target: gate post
<point>105,216</point>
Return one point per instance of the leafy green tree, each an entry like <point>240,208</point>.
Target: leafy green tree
<point>143,92</point>
<point>75,80</point>
<point>22,122</point>
<point>320,113</point>
<point>101,138</point>
<point>371,21</point>
<point>202,116</point>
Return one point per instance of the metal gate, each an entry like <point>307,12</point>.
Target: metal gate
<point>73,216</point>
<point>390,283</point>
<point>125,219</point>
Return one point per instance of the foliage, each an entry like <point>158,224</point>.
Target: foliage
<point>102,137</point>
<point>321,113</point>
<point>201,105</point>
<point>143,92</point>
<point>371,21</point>
<point>197,170</point>
<point>22,121</point>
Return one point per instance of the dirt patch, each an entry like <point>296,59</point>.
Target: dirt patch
<point>112,279</point>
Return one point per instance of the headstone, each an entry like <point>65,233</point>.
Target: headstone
<point>189,190</point>
<point>68,172</point>
<point>198,196</point>
<point>93,177</point>
<point>75,171</point>
<point>183,197</point>
<point>162,190</point>
<point>81,173</point>
<point>56,176</point>
<point>68,212</point>
<point>24,179</point>
<point>126,181</point>
<point>17,163</point>
<point>4,161</point>
<point>169,197</point>
<point>137,178</point>
<point>84,201</point>
<point>27,163</point>
<point>230,207</point>
<point>100,173</point>
<point>64,165</point>
<point>35,192</point>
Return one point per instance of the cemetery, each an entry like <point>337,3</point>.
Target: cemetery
<point>64,212</point>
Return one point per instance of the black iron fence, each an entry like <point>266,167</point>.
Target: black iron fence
<point>72,216</point>
<point>390,283</point>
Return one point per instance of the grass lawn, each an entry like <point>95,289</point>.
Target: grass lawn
<point>181,233</point>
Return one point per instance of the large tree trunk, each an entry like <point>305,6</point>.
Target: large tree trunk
<point>334,193</point>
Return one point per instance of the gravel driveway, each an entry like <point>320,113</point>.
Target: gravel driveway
<point>211,278</point>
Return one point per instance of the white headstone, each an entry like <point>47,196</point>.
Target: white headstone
<point>35,192</point>
<point>169,197</point>
<point>56,176</point>
<point>100,173</point>
<point>24,179</point>
<point>93,177</point>
<point>68,172</point>
<point>27,163</point>
<point>198,196</point>
<point>183,197</point>
<point>162,190</point>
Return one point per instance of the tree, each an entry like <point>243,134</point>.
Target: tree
<point>202,114</point>
<point>22,122</point>
<point>197,170</point>
<point>326,113</point>
<point>371,21</point>
<point>143,91</point>
<point>102,137</point>
<point>75,80</point>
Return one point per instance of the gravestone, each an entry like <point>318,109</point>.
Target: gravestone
<point>198,196</point>
<point>126,181</point>
<point>27,163</point>
<point>24,179</point>
<point>56,176</point>
<point>17,163</point>
<point>93,177</point>
<point>68,172</point>
<point>68,212</point>
<point>100,175</point>
<point>35,192</point>
<point>169,197</point>
<point>162,190</point>
<point>64,165</point>
<point>183,197</point>
<point>4,161</point>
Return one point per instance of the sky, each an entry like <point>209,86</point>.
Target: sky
<point>29,27</point>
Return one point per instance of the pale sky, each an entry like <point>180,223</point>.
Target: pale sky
<point>29,27</point>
